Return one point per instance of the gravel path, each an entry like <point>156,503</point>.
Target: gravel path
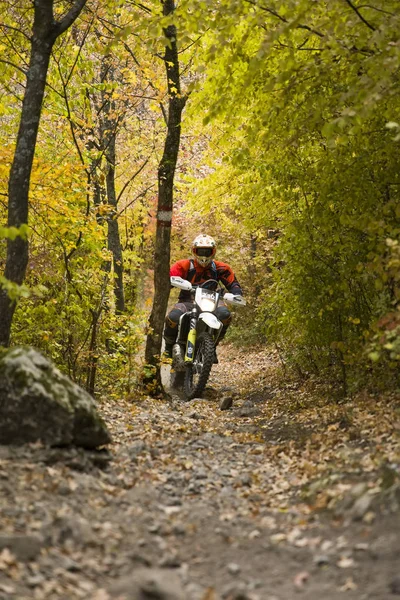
<point>195,503</point>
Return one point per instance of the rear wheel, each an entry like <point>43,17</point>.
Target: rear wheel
<point>198,372</point>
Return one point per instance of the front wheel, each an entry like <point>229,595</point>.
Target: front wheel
<point>198,372</point>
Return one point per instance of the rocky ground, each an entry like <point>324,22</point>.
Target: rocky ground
<point>286,494</point>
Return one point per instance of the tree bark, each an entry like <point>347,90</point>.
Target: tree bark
<point>114,243</point>
<point>109,134</point>
<point>166,172</point>
<point>44,33</point>
<point>93,355</point>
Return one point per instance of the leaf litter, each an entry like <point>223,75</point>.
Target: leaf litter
<point>299,493</point>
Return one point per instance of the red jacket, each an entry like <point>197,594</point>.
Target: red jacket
<point>190,270</point>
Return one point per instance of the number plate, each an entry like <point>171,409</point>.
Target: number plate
<point>208,294</point>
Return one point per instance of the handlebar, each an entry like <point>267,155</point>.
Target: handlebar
<point>183,284</point>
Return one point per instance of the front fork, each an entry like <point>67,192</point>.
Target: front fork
<point>191,339</point>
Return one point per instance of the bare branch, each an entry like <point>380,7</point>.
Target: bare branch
<point>70,120</point>
<point>140,5</point>
<point>141,195</point>
<point>274,13</point>
<point>356,10</point>
<point>191,43</point>
<point>382,10</point>
<point>164,112</point>
<point>7,62</point>
<point>85,35</point>
<point>16,49</point>
<point>70,17</point>
<point>140,169</point>
<point>301,47</point>
<point>16,30</point>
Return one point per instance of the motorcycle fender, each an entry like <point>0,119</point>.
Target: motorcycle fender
<point>191,341</point>
<point>210,320</point>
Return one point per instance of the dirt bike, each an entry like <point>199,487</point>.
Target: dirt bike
<point>193,353</point>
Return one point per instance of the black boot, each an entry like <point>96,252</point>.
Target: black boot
<point>168,350</point>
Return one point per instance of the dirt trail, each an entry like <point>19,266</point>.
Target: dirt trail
<point>286,495</point>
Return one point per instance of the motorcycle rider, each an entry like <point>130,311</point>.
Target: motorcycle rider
<point>197,270</point>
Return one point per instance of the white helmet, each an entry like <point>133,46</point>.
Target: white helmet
<point>204,249</point>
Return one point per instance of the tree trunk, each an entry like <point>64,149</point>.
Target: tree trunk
<point>18,185</point>
<point>108,127</point>
<point>166,172</point>
<point>93,355</point>
<point>44,33</point>
<point>113,234</point>
<point>114,245</point>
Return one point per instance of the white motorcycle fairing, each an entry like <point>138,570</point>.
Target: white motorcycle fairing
<point>210,320</point>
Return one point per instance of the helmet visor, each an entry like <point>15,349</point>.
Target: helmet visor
<point>206,252</point>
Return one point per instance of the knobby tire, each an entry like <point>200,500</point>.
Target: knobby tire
<point>202,364</point>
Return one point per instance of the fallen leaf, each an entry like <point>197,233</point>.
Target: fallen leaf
<point>73,486</point>
<point>369,517</point>
<point>301,578</point>
<point>348,585</point>
<point>278,537</point>
<point>7,559</point>
<point>254,534</point>
<point>209,595</point>
<point>171,510</point>
<point>345,562</point>
<point>7,589</point>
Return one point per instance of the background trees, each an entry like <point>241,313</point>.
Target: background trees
<point>304,98</point>
<point>91,195</point>
<point>290,140</point>
<point>46,29</point>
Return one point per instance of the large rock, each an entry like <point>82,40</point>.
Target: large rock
<point>38,402</point>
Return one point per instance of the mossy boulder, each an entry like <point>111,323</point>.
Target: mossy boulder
<point>39,403</point>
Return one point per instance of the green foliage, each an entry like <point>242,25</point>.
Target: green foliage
<point>385,344</point>
<point>11,233</point>
<point>293,127</point>
<point>67,307</point>
<point>302,108</point>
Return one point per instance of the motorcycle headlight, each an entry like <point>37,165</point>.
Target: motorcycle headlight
<point>206,304</point>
